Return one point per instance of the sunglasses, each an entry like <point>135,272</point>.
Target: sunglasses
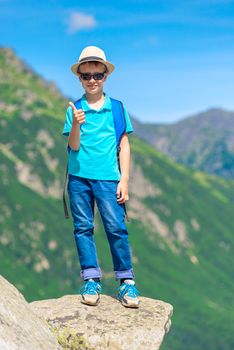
<point>89,76</point>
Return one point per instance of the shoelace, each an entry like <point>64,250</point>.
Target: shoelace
<point>90,287</point>
<point>130,289</point>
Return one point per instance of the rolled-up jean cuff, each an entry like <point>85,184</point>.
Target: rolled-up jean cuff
<point>124,274</point>
<point>90,273</point>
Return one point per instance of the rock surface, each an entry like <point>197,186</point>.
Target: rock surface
<point>76,326</point>
<point>20,327</point>
<point>108,325</point>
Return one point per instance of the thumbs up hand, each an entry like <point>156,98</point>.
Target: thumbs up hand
<point>78,114</point>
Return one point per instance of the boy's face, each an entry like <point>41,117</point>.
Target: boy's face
<point>92,86</point>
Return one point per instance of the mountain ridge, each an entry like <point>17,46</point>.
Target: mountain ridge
<point>203,141</point>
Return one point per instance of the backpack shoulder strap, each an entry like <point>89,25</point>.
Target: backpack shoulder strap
<point>119,119</point>
<point>78,104</point>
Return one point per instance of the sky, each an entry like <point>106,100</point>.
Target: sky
<point>172,58</point>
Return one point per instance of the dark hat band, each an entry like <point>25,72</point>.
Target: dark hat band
<point>91,58</point>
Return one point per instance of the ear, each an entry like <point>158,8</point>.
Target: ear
<point>78,75</point>
<point>106,75</point>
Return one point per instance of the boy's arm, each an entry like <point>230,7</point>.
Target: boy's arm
<point>124,158</point>
<point>124,161</point>
<point>74,135</point>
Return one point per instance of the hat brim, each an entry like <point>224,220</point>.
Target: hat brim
<point>75,66</point>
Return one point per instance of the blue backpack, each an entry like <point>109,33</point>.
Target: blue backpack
<point>120,128</point>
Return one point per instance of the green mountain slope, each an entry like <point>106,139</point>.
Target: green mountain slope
<point>204,141</point>
<point>181,228</point>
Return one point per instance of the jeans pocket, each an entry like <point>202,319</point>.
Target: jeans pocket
<point>107,186</point>
<point>74,184</point>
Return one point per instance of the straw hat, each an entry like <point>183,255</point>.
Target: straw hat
<point>92,53</point>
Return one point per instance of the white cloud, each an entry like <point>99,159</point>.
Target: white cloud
<point>79,21</point>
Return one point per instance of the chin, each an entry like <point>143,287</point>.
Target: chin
<point>93,91</point>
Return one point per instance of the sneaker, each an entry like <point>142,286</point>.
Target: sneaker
<point>128,294</point>
<point>90,292</point>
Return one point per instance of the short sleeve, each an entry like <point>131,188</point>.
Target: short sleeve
<point>68,122</point>
<point>129,127</point>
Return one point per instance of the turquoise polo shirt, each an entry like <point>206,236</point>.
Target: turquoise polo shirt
<point>96,158</point>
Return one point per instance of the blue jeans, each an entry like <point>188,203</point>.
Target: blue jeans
<point>82,193</point>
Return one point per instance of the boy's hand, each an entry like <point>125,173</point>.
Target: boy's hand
<point>122,191</point>
<point>78,114</point>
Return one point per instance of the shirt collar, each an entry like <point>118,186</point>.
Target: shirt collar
<point>86,107</point>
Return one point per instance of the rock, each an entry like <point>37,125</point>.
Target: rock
<point>77,326</point>
<point>108,325</point>
<point>20,327</point>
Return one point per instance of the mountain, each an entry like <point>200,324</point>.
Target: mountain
<point>181,220</point>
<point>204,141</point>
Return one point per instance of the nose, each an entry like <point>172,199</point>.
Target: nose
<point>92,79</point>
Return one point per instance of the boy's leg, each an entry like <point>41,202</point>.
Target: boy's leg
<point>113,215</point>
<point>82,209</point>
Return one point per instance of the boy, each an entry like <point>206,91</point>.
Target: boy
<point>93,175</point>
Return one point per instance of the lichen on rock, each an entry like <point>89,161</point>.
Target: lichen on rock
<point>69,339</point>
